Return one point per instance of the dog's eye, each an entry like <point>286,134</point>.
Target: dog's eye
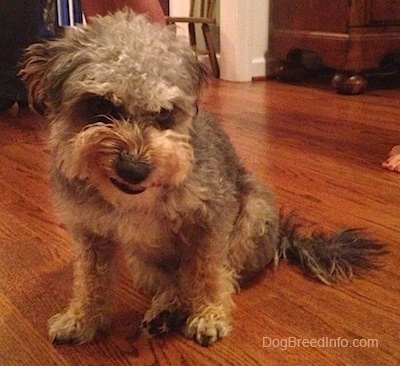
<point>164,118</point>
<point>100,109</point>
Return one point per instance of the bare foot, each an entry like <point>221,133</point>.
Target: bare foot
<point>393,161</point>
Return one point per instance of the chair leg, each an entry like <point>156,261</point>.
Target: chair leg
<point>192,35</point>
<point>211,50</point>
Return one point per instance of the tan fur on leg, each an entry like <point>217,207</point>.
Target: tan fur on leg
<point>87,311</point>
<point>207,284</point>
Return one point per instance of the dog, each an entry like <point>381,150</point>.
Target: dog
<point>137,166</point>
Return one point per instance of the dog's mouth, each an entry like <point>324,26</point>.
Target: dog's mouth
<point>125,188</point>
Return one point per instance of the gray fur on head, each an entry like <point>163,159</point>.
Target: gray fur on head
<point>127,61</point>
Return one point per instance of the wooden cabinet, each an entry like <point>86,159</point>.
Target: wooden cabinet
<point>349,35</point>
<point>384,12</point>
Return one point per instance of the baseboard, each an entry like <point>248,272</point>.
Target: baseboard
<point>258,67</point>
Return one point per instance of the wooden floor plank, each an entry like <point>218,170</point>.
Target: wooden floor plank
<point>20,342</point>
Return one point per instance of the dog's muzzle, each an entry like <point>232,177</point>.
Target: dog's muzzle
<point>132,172</point>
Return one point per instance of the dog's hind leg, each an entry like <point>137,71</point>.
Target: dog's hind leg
<point>87,311</point>
<point>165,313</point>
<point>255,232</point>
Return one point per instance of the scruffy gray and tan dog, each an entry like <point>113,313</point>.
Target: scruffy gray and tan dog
<point>137,166</point>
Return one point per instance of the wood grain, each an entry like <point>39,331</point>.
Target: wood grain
<point>319,151</point>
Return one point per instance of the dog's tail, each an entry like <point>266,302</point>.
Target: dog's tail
<point>328,258</point>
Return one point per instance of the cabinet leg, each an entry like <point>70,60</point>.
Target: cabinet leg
<point>349,84</point>
<point>289,72</point>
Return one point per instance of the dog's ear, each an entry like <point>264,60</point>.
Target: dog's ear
<point>201,72</point>
<point>44,68</point>
<point>196,71</point>
<point>34,68</point>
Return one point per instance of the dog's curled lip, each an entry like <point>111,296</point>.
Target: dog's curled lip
<point>125,188</point>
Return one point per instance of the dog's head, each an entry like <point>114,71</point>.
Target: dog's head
<point>121,94</point>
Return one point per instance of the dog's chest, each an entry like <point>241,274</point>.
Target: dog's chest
<point>146,235</point>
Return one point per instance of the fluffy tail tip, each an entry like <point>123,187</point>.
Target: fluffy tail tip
<point>330,259</point>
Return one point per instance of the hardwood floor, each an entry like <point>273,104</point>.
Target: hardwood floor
<point>319,151</point>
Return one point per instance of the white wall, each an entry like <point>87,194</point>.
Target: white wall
<point>180,8</point>
<point>260,36</point>
<point>244,36</point>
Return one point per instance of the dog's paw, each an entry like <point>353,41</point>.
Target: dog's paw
<point>158,324</point>
<point>206,329</point>
<point>161,323</point>
<point>69,328</point>
<point>164,315</point>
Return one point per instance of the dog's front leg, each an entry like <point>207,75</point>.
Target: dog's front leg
<point>207,285</point>
<point>86,313</point>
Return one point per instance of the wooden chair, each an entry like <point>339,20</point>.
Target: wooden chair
<point>207,20</point>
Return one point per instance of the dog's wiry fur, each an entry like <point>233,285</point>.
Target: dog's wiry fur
<point>135,165</point>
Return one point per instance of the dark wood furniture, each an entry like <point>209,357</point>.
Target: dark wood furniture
<point>351,36</point>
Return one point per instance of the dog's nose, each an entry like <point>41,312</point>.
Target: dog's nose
<point>131,170</point>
